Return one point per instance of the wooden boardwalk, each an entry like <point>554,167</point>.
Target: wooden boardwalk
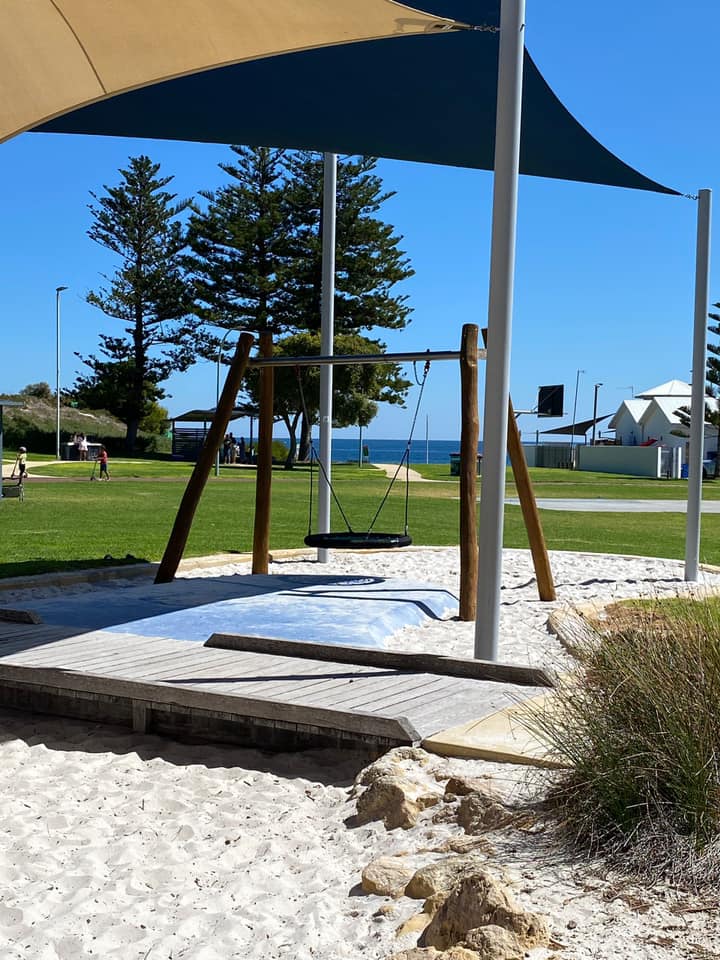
<point>283,697</point>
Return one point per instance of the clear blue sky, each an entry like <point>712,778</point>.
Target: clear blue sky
<point>604,276</point>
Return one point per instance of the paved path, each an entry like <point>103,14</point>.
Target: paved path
<point>598,505</point>
<point>404,473</point>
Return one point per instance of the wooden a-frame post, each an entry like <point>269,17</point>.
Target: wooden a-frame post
<point>263,479</point>
<point>198,478</point>
<point>469,434</point>
<point>528,505</point>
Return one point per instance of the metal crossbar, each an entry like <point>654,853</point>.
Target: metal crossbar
<point>358,358</point>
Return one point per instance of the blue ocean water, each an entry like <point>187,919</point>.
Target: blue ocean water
<point>391,451</point>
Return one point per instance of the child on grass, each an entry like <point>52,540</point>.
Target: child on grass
<point>103,460</point>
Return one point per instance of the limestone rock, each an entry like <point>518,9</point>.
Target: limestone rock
<point>418,922</point>
<point>530,928</point>
<point>416,953</point>
<point>494,943</point>
<point>430,953</point>
<point>462,786</point>
<point>481,811</point>
<point>389,799</point>
<point>478,901</point>
<point>447,813</point>
<point>441,876</point>
<point>391,763</point>
<point>386,876</point>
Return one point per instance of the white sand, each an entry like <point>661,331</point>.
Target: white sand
<point>117,845</point>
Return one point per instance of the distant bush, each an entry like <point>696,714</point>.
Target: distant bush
<point>640,727</point>
<point>40,390</point>
<point>280,451</point>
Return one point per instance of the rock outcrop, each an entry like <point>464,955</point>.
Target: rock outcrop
<point>395,792</point>
<point>476,901</point>
<point>386,876</point>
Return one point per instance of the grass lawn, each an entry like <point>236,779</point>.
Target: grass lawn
<point>78,523</point>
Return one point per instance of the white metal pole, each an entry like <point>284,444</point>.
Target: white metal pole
<point>58,291</point>
<point>497,377</point>
<point>572,435</point>
<point>597,387</point>
<point>697,403</point>
<point>327,331</point>
<point>427,438</point>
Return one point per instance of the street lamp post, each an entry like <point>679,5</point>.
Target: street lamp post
<point>572,435</point>
<point>597,387</point>
<point>58,291</point>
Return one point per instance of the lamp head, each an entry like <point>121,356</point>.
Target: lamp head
<point>58,289</point>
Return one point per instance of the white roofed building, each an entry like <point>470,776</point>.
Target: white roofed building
<point>651,418</point>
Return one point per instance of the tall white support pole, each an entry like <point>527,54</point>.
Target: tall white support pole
<point>497,376</point>
<point>327,331</point>
<point>697,403</point>
<point>58,291</point>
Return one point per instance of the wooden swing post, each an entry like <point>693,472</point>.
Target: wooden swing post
<point>263,487</point>
<point>469,434</point>
<point>198,478</point>
<point>528,505</point>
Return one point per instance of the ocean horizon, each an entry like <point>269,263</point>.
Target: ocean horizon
<point>379,450</point>
<point>347,450</point>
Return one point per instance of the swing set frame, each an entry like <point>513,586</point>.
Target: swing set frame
<point>468,357</point>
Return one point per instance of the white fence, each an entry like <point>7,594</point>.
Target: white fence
<point>634,461</point>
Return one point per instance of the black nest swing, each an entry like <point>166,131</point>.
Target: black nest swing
<point>369,539</point>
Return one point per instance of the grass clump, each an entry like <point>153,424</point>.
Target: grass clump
<point>639,728</point>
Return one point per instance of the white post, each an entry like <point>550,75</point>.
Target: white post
<point>497,376</point>
<point>327,324</point>
<point>58,291</point>
<point>572,435</point>
<point>697,403</point>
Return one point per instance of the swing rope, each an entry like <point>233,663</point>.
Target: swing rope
<point>405,459</point>
<point>406,455</point>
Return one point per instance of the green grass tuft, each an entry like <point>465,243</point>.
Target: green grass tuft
<point>640,725</point>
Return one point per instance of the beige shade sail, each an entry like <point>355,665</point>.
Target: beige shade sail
<point>56,55</point>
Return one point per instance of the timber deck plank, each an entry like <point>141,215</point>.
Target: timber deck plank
<point>291,694</point>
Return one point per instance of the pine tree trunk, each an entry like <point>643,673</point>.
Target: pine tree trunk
<point>292,436</point>
<point>305,440</point>
<point>131,435</point>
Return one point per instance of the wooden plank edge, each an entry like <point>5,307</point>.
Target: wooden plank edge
<point>371,657</point>
<point>397,728</point>
<point>9,615</point>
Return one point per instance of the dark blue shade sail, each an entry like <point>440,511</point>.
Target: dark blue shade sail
<point>421,98</point>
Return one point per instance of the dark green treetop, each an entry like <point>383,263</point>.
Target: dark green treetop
<point>137,220</point>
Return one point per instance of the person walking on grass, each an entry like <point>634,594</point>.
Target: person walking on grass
<point>103,460</point>
<point>21,465</point>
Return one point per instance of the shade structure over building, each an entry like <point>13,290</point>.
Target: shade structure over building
<point>578,429</point>
<point>428,97</point>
